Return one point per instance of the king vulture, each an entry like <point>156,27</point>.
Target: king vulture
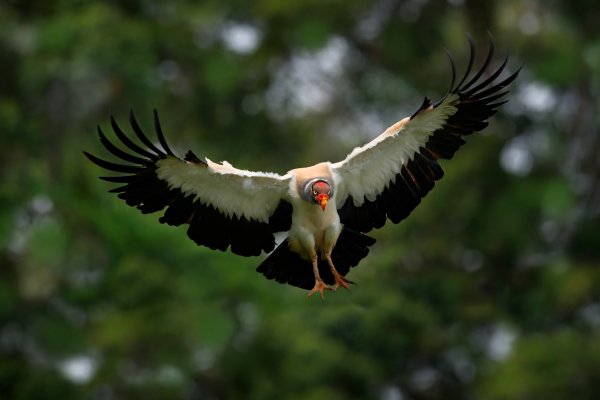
<point>327,208</point>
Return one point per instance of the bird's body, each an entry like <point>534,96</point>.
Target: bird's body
<point>326,208</point>
<point>312,229</point>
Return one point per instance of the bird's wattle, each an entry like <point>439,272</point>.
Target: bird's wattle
<point>322,200</point>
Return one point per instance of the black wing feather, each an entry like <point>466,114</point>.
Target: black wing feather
<point>117,151</point>
<point>140,134</point>
<point>160,135</point>
<point>470,65</point>
<point>127,142</point>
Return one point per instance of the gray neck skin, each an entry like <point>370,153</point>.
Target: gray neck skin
<point>306,192</point>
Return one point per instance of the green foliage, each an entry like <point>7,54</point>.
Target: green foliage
<point>553,366</point>
<point>490,289</point>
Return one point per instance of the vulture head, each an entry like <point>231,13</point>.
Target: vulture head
<point>319,192</point>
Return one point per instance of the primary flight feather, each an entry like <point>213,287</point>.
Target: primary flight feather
<point>326,208</point>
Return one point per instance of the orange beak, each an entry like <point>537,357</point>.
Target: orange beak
<point>322,199</point>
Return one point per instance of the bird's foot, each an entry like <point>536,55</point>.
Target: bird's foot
<point>341,281</point>
<point>320,286</point>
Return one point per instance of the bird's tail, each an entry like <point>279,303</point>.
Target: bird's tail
<point>286,266</point>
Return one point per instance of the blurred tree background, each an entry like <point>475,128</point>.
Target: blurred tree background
<point>490,290</point>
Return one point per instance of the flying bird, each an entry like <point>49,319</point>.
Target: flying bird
<point>327,208</point>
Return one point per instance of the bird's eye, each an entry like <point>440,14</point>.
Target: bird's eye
<point>314,192</point>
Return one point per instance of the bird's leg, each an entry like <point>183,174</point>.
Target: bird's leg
<point>319,284</point>
<point>339,279</point>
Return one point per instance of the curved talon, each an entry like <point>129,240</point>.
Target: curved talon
<point>320,286</point>
<point>343,282</point>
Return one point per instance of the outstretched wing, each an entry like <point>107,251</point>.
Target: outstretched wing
<point>387,177</point>
<point>224,206</point>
